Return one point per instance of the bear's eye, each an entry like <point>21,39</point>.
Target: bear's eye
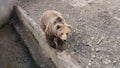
<point>58,26</point>
<point>61,33</point>
<point>66,33</point>
<point>55,22</point>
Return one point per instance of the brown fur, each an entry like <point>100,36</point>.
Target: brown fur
<point>53,24</point>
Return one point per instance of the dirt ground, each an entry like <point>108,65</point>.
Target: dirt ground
<point>95,37</point>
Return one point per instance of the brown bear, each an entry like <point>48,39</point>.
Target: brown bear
<point>55,27</point>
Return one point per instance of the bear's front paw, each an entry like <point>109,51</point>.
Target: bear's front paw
<point>59,47</point>
<point>53,45</point>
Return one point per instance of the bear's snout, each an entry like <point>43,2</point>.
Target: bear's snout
<point>64,40</point>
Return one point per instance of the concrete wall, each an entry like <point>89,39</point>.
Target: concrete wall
<point>5,10</point>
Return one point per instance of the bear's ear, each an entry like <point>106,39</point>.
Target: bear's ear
<point>69,26</point>
<point>58,27</point>
<point>55,22</point>
<point>59,19</point>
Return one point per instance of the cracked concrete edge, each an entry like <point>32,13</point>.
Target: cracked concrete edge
<point>60,59</point>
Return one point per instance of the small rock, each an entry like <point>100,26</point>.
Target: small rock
<point>72,52</point>
<point>92,49</point>
<point>106,61</point>
<point>114,62</point>
<point>100,40</point>
<point>87,67</point>
<point>25,60</point>
<point>89,64</point>
<point>118,37</point>
<point>93,56</point>
<point>92,38</point>
<point>98,49</point>
<point>42,65</point>
<point>87,45</point>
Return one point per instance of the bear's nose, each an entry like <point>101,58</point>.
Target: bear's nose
<point>64,40</point>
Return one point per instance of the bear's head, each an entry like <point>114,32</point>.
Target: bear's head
<point>62,29</point>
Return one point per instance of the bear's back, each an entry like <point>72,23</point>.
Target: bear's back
<point>48,17</point>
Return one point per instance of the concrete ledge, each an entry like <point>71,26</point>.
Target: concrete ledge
<point>60,59</point>
<point>5,10</point>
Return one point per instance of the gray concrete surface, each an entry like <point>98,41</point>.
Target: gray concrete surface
<point>5,10</point>
<point>95,38</point>
<point>13,51</point>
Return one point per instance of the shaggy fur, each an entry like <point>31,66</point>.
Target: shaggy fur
<point>54,26</point>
